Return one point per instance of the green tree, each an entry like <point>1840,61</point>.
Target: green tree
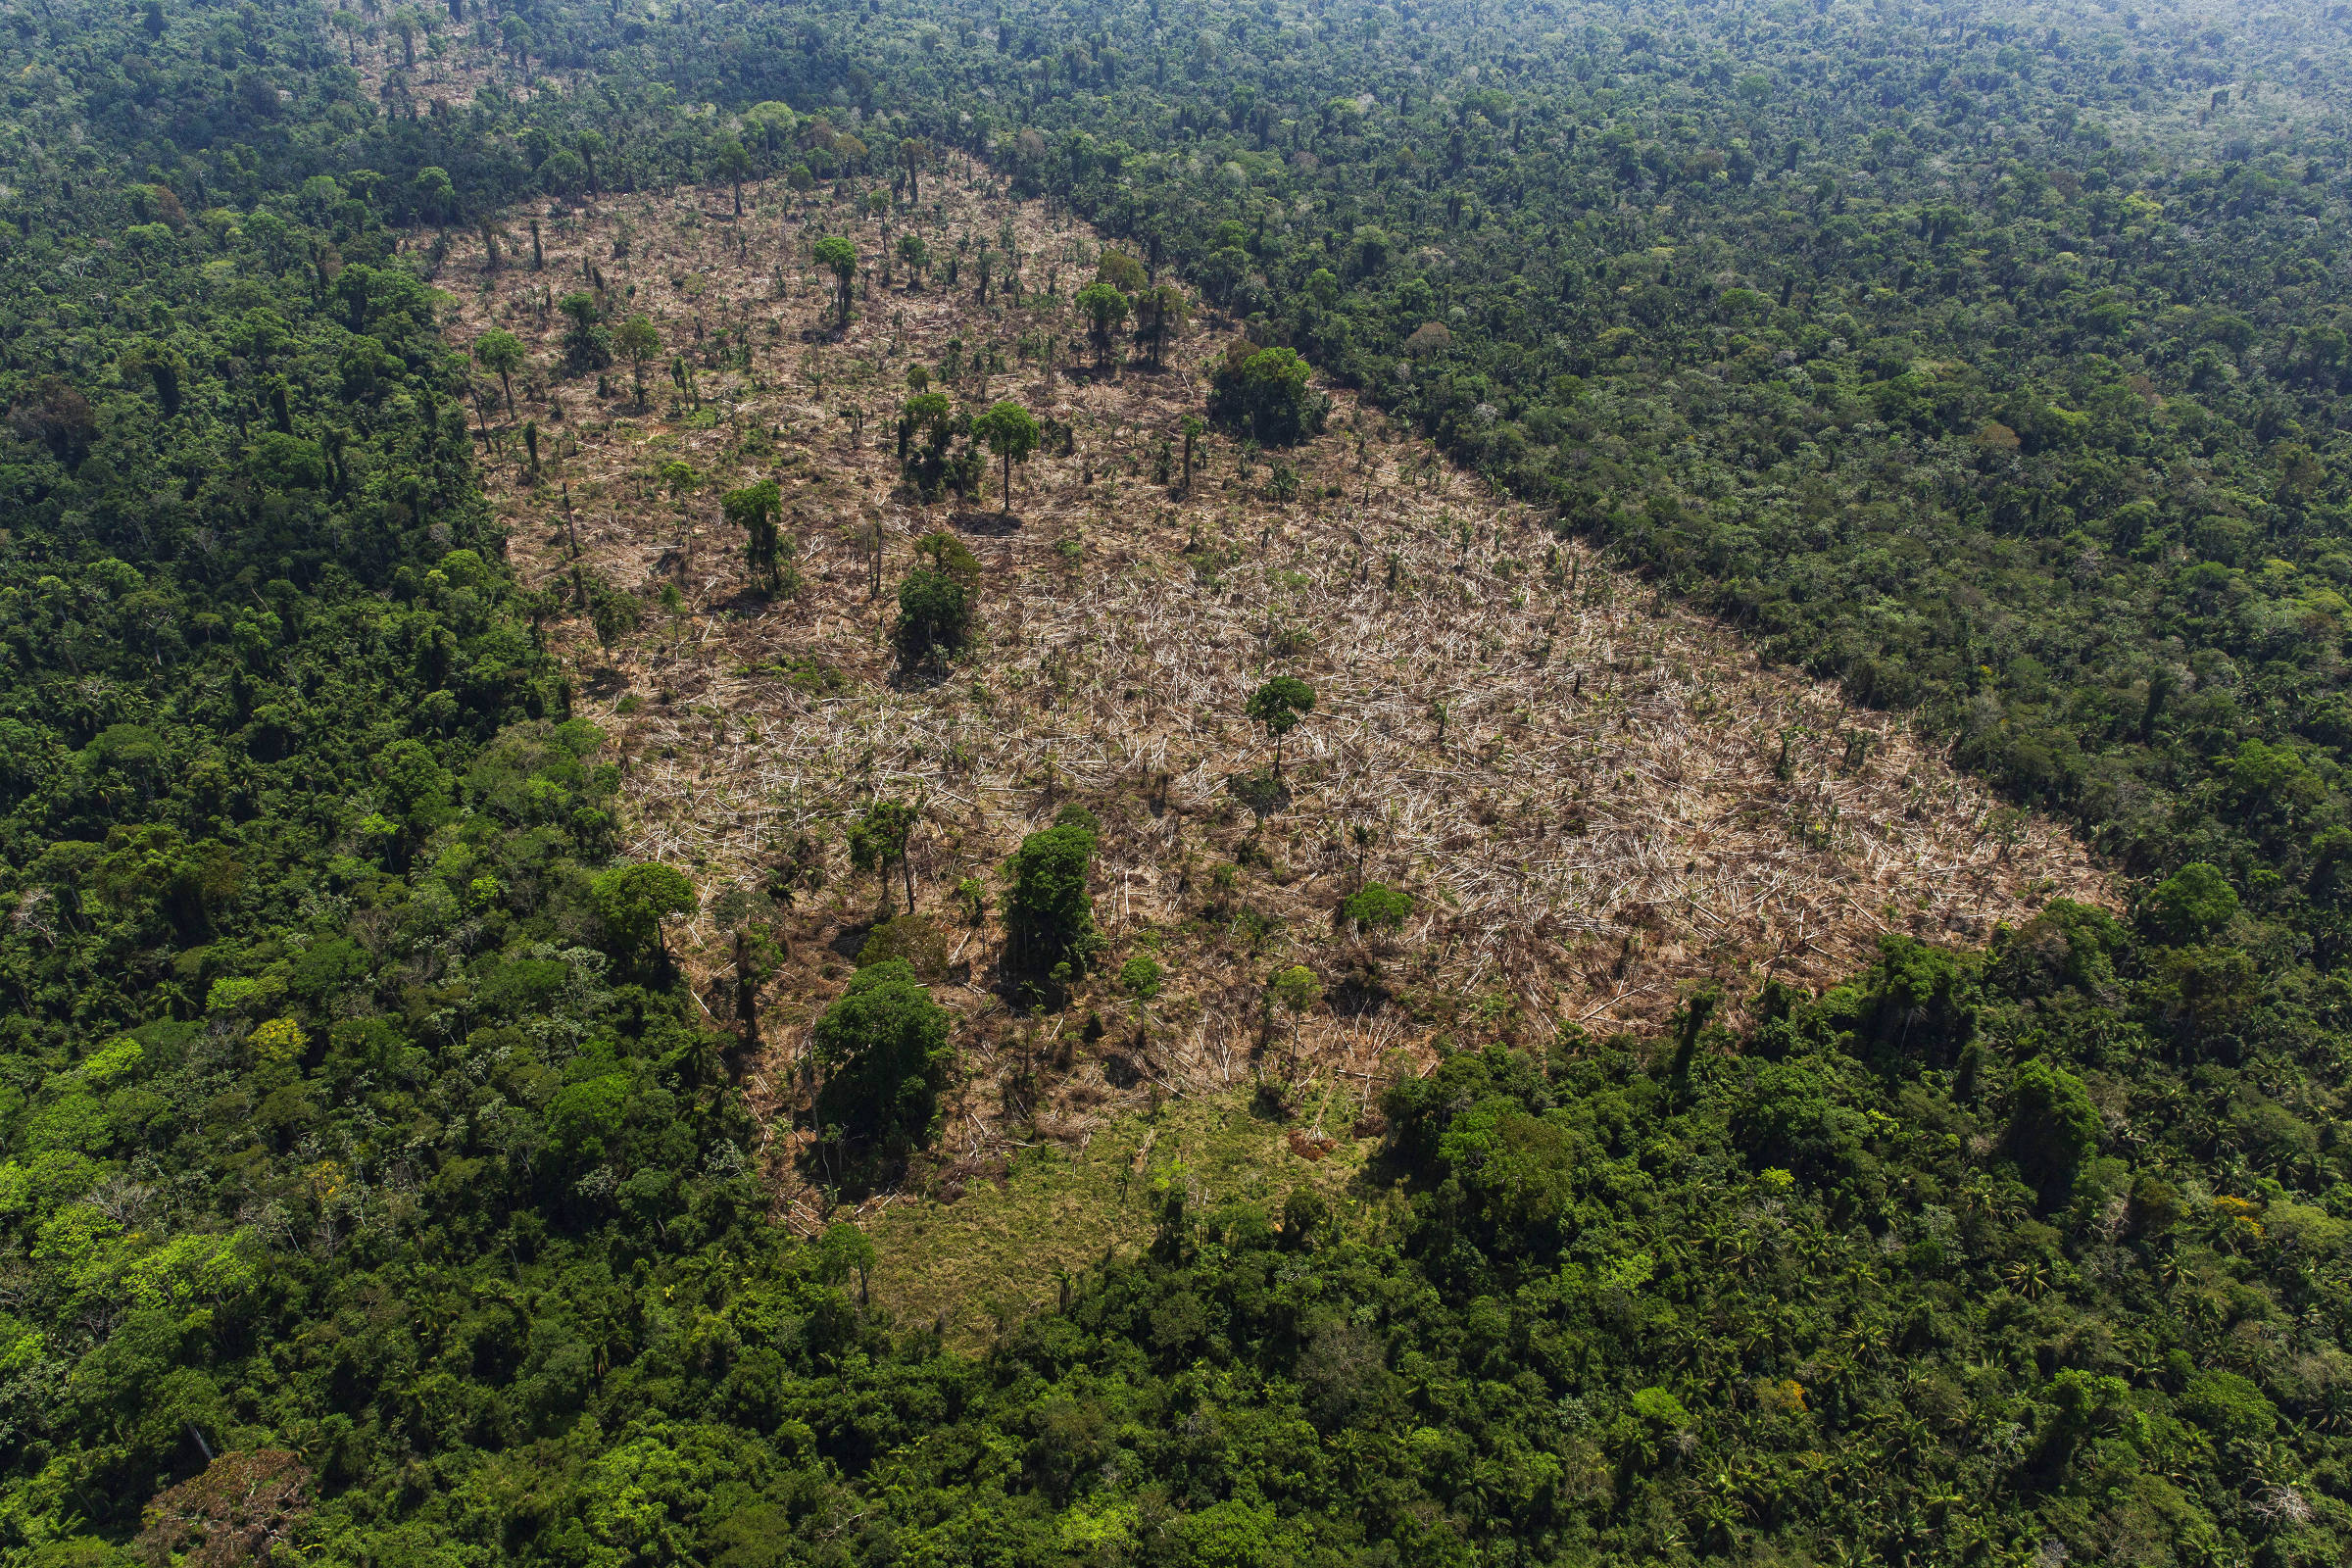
<point>1011,433</point>
<point>1376,906</point>
<point>731,163</point>
<point>754,509</point>
<point>2193,903</point>
<point>435,197</point>
<point>915,255</point>
<point>1278,707</point>
<point>937,599</point>
<point>1193,429</point>
<point>883,1049</point>
<point>1297,991</point>
<point>613,614</point>
<point>586,347</point>
<point>1104,308</point>
<point>1141,976</point>
<point>632,901</point>
<point>1267,394</point>
<point>406,24</point>
<point>878,839</point>
<point>1159,315</point>
<point>2054,1126</point>
<point>1049,915</point>
<point>637,341</point>
<point>838,255</point>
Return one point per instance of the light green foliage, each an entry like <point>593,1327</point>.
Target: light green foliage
<point>1141,977</point>
<point>1376,906</point>
<point>1296,990</point>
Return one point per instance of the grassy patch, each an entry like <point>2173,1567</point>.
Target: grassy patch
<point>990,1258</point>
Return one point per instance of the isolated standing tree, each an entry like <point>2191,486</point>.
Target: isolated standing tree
<point>884,1051</point>
<point>937,599</point>
<point>838,254</point>
<point>1011,433</point>
<point>730,163</point>
<point>753,510</point>
<point>405,25</point>
<point>915,254</point>
<point>637,341</point>
<point>878,840</point>
<point>500,350</point>
<point>679,477</point>
<point>1104,308</point>
<point>1376,908</point>
<point>912,152</point>
<point>585,345</point>
<point>1159,315</point>
<point>1265,393</point>
<point>1297,991</point>
<point>1049,915</point>
<point>1193,430</point>
<point>1278,705</point>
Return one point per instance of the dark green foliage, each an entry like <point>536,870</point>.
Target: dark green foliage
<point>1279,706</point>
<point>2052,1124</point>
<point>1264,393</point>
<point>633,900</point>
<point>916,939</point>
<point>878,838</point>
<point>1049,915</point>
<point>936,600</point>
<point>753,509</point>
<point>883,1049</point>
<point>929,426</point>
<point>2193,903</point>
<point>838,255</point>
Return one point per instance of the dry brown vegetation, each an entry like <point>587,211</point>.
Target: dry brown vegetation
<point>1594,798</point>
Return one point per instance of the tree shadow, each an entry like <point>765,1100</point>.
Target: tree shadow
<point>1264,793</point>
<point>985,524</point>
<point>851,939</point>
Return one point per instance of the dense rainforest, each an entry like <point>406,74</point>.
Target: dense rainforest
<point>373,1190</point>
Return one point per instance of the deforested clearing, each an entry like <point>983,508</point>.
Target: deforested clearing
<point>1595,801</point>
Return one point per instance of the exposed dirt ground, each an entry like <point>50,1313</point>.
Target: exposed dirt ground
<point>1596,799</point>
